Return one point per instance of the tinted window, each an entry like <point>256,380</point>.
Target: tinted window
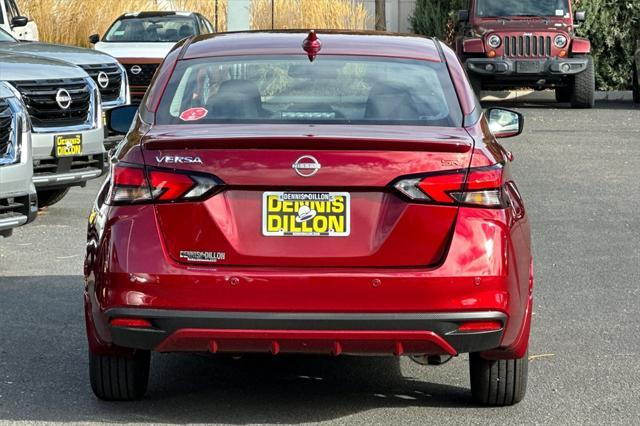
<point>291,89</point>
<point>522,8</point>
<point>152,29</point>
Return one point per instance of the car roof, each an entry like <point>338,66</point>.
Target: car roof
<point>154,14</point>
<point>365,43</point>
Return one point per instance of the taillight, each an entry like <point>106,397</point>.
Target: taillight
<point>128,185</point>
<point>132,184</point>
<point>480,187</point>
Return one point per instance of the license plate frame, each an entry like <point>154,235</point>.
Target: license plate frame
<point>321,218</point>
<point>67,145</point>
<point>528,67</point>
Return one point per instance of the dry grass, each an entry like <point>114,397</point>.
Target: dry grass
<point>72,21</point>
<point>312,14</point>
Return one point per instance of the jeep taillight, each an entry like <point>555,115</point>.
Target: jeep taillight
<point>132,184</point>
<point>479,187</point>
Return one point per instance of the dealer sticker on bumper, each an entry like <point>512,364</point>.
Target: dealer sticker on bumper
<point>306,214</point>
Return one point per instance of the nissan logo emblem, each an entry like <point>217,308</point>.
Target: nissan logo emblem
<point>63,98</point>
<point>103,79</point>
<point>135,70</point>
<point>306,166</point>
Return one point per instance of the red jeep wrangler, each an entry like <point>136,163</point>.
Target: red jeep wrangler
<point>527,43</point>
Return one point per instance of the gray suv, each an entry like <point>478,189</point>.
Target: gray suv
<point>104,69</point>
<point>18,201</point>
<point>63,103</point>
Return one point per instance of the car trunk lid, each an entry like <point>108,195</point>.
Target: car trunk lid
<point>269,207</point>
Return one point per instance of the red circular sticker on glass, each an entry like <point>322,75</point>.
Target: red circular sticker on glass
<point>194,114</point>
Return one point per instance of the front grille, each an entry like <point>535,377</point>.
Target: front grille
<point>52,166</point>
<point>5,128</point>
<point>112,91</point>
<point>143,78</point>
<point>527,46</point>
<point>39,96</point>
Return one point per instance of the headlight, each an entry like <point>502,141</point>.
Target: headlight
<point>560,41</point>
<point>494,41</point>
<point>16,124</point>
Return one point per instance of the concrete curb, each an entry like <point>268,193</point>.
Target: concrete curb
<point>549,96</point>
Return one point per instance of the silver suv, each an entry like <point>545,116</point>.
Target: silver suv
<point>18,201</point>
<point>105,70</point>
<point>63,103</point>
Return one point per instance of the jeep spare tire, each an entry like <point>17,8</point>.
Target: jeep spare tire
<point>584,87</point>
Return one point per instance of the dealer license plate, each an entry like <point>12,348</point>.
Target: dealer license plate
<point>68,145</point>
<point>306,214</point>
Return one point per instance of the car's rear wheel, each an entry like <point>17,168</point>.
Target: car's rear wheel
<point>498,382</point>
<point>584,88</point>
<point>636,84</point>
<point>119,378</point>
<point>48,197</point>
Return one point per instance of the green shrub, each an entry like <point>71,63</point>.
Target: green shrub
<point>613,26</point>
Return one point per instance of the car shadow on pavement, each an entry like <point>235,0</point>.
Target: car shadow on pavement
<point>44,374</point>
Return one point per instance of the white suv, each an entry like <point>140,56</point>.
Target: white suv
<point>18,201</point>
<point>63,103</point>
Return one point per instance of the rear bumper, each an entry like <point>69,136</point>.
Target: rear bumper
<point>534,68</point>
<point>420,333</point>
<point>187,303</point>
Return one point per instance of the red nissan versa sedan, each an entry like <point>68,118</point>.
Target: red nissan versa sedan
<point>287,192</point>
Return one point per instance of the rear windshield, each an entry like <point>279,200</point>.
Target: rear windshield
<point>522,8</point>
<point>151,29</point>
<point>291,89</point>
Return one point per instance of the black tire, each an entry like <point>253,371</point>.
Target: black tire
<point>476,85</point>
<point>48,197</point>
<point>563,94</point>
<point>498,383</point>
<point>119,378</point>
<point>584,88</point>
<point>636,84</point>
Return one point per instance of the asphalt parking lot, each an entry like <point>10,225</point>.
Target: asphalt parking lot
<point>579,173</point>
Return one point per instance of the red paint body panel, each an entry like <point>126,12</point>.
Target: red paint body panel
<point>463,88</point>
<point>473,45</point>
<point>333,43</point>
<point>403,256</point>
<point>580,46</point>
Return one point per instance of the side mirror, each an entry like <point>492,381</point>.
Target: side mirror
<point>94,38</point>
<point>505,123</point>
<point>19,21</point>
<point>463,15</point>
<point>581,16</point>
<point>119,119</point>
